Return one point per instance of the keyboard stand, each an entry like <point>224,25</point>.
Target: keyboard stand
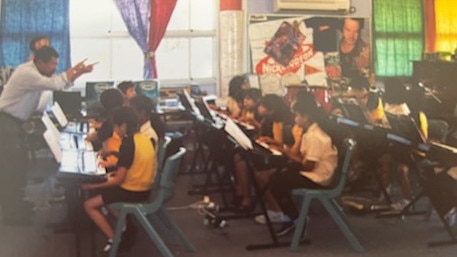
<point>275,243</point>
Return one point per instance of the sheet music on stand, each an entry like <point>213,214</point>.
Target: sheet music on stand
<point>238,135</point>
<point>53,144</point>
<point>191,102</point>
<point>58,113</point>
<point>50,126</point>
<point>243,140</point>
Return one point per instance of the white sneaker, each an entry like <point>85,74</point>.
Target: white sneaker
<point>398,206</point>
<point>275,217</point>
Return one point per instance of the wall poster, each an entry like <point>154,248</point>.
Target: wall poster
<point>312,48</point>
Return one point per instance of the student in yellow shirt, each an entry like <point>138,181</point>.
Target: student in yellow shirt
<point>131,182</point>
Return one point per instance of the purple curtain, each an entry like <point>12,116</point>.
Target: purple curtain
<point>135,14</point>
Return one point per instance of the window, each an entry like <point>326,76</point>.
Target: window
<point>102,37</point>
<point>186,53</point>
<point>446,25</point>
<point>398,34</point>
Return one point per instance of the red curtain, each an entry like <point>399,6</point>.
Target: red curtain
<point>161,11</point>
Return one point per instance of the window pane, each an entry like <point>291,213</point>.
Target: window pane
<point>180,18</point>
<point>173,58</point>
<point>127,59</point>
<point>202,55</point>
<point>87,19</point>
<point>202,18</point>
<point>95,50</point>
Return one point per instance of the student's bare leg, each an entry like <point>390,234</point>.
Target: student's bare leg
<point>92,207</point>
<point>242,181</point>
<point>403,169</point>
<point>263,177</point>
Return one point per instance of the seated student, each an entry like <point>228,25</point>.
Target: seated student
<point>249,112</point>
<point>366,98</point>
<point>105,139</point>
<point>127,89</point>
<point>235,96</point>
<point>318,158</point>
<point>395,103</point>
<point>131,182</point>
<point>275,116</point>
<point>37,43</point>
<point>368,150</point>
<point>290,148</point>
<point>143,108</point>
<point>157,121</point>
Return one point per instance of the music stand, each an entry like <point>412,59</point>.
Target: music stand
<point>248,148</point>
<point>354,112</point>
<point>406,127</point>
<point>204,111</point>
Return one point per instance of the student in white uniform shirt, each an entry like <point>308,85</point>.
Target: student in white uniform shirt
<point>316,162</point>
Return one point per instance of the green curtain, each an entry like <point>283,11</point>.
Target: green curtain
<point>398,36</point>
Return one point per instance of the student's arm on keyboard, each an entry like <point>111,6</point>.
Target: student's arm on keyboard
<point>114,179</point>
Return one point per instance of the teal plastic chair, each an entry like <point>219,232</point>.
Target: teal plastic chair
<point>153,216</point>
<point>328,199</point>
<point>162,150</point>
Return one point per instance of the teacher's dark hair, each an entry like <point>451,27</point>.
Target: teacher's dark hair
<point>45,54</point>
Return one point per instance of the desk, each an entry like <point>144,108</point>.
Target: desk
<point>71,174</point>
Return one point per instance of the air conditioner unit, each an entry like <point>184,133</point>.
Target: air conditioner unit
<point>321,5</point>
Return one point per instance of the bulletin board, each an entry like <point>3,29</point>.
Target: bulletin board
<point>312,49</point>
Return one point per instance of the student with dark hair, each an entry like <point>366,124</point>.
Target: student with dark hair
<point>38,42</point>
<point>275,115</point>
<point>235,95</point>
<point>128,90</point>
<point>359,89</point>
<point>18,101</point>
<point>134,174</point>
<point>395,98</point>
<point>249,113</point>
<point>143,108</point>
<point>318,158</point>
<point>274,118</point>
<point>105,139</point>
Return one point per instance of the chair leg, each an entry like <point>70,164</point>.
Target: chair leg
<point>340,219</point>
<point>152,233</point>
<point>175,228</point>
<point>339,211</point>
<point>428,211</point>
<point>300,223</point>
<point>118,233</point>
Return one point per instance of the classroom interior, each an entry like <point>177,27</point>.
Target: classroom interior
<point>185,65</point>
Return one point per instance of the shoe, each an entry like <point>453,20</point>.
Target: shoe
<point>400,205</point>
<point>285,229</point>
<point>275,217</point>
<point>105,251</point>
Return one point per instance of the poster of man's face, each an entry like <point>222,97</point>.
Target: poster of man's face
<point>315,48</point>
